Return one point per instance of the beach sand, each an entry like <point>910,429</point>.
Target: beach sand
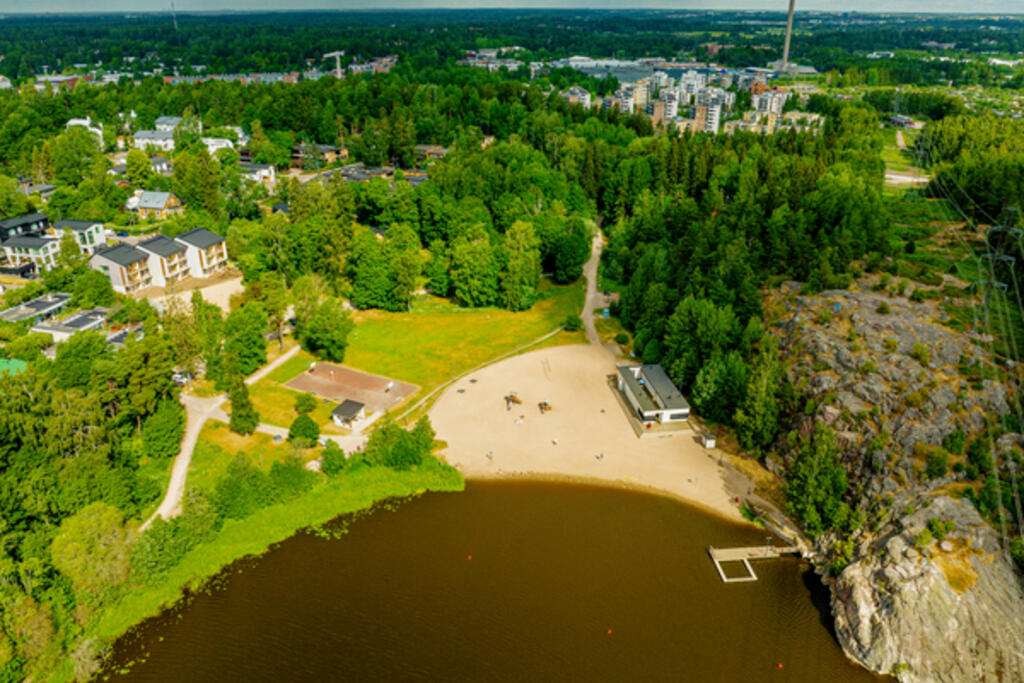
<point>586,437</point>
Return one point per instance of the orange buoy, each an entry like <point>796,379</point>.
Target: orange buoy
<point>469,557</point>
<point>609,631</point>
<point>779,665</point>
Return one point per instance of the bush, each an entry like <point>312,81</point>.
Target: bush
<point>923,539</point>
<point>304,431</point>
<point>891,344</point>
<point>305,404</point>
<point>979,454</point>
<point>572,323</point>
<point>242,490</point>
<point>939,529</point>
<point>622,338</point>
<point>919,352</point>
<point>867,367</point>
<point>937,463</point>
<point>954,442</point>
<point>333,461</point>
<point>244,417</point>
<point>290,478</point>
<point>883,309</point>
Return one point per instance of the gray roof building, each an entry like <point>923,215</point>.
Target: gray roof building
<point>27,242</point>
<point>200,238</point>
<point>76,226</point>
<point>153,200</point>
<point>38,309</point>
<point>122,254</point>
<point>652,393</point>
<point>161,245</point>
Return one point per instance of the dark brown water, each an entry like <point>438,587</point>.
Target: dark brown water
<point>565,583</point>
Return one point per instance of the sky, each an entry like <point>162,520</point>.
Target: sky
<point>64,6</point>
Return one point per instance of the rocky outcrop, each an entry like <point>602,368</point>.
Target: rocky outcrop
<point>931,610</point>
<point>894,381</point>
<point>887,374</point>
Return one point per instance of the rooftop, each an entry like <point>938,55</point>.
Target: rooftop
<point>652,388</point>
<point>41,305</point>
<point>347,409</point>
<point>77,226</point>
<point>122,254</point>
<point>27,219</point>
<point>28,242</point>
<point>154,135</point>
<point>153,200</point>
<point>200,237</point>
<point>161,245</point>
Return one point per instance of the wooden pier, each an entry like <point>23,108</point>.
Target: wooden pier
<point>745,555</point>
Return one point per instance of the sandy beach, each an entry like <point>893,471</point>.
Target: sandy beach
<point>585,437</point>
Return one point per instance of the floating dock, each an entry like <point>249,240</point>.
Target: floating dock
<point>745,555</point>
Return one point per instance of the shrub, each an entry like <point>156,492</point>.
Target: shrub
<point>305,404</point>
<point>891,344</point>
<point>867,367</point>
<point>883,309</point>
<point>954,442</point>
<point>304,430</point>
<point>622,338</point>
<point>919,352</point>
<point>979,454</point>
<point>937,463</point>
<point>939,529</point>
<point>242,490</point>
<point>918,295</point>
<point>333,461</point>
<point>923,539</point>
<point>572,323</point>
<point>244,417</point>
<point>916,399</point>
<point>290,478</point>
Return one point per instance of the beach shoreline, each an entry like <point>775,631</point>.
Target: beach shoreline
<point>585,438</point>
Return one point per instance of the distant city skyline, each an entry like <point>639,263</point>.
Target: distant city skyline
<point>930,6</point>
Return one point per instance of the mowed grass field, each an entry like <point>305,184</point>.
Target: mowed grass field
<point>438,340</point>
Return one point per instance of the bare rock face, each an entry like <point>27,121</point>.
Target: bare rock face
<point>907,606</point>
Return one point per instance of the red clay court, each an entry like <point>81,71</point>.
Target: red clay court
<point>338,383</point>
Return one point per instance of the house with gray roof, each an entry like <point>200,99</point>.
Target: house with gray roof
<point>88,234</point>
<point>161,139</point>
<point>38,250</point>
<point>28,224</point>
<point>167,261</point>
<point>652,394</point>
<point>206,252</point>
<point>37,310</point>
<point>155,205</point>
<point>126,266</point>
<point>61,330</point>
<point>168,124</point>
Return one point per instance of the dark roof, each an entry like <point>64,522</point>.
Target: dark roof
<point>120,169</point>
<point>200,237</point>
<point>157,160</point>
<point>281,207</point>
<point>161,245</point>
<point>122,254</point>
<point>77,226</point>
<point>28,242</point>
<point>347,409</point>
<point>27,219</point>
<point>248,166</point>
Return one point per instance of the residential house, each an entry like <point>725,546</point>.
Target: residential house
<point>158,205</point>
<point>206,252</point>
<point>44,190</point>
<point>39,251</point>
<point>652,394</point>
<point>258,173</point>
<point>160,139</point>
<point>168,124</point>
<point>428,152</point>
<point>213,145</point>
<point>37,310</point>
<point>61,331</point>
<point>126,266</point>
<point>314,155</point>
<point>160,165</point>
<point>28,224</point>
<point>167,262</point>
<point>5,83</point>
<point>88,234</point>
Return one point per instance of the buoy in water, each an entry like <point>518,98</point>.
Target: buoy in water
<point>469,557</point>
<point>779,665</point>
<point>609,631</point>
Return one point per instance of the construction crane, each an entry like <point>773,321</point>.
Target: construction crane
<point>789,34</point>
<point>338,54</point>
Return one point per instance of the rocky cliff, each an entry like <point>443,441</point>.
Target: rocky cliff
<point>930,609</point>
<point>928,593</point>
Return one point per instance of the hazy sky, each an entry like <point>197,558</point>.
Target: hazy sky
<point>972,6</point>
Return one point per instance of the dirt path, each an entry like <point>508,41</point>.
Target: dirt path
<point>591,301</point>
<point>197,412</point>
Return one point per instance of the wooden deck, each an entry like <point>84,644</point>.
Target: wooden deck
<point>745,555</point>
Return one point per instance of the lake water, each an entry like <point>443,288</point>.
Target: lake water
<point>565,583</point>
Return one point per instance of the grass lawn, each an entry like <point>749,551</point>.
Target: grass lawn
<point>438,340</point>
<point>157,470</point>
<point>218,446</point>
<point>607,328</point>
<point>275,404</point>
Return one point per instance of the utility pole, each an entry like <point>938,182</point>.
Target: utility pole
<point>789,35</point>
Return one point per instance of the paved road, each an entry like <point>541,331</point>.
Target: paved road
<point>197,412</point>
